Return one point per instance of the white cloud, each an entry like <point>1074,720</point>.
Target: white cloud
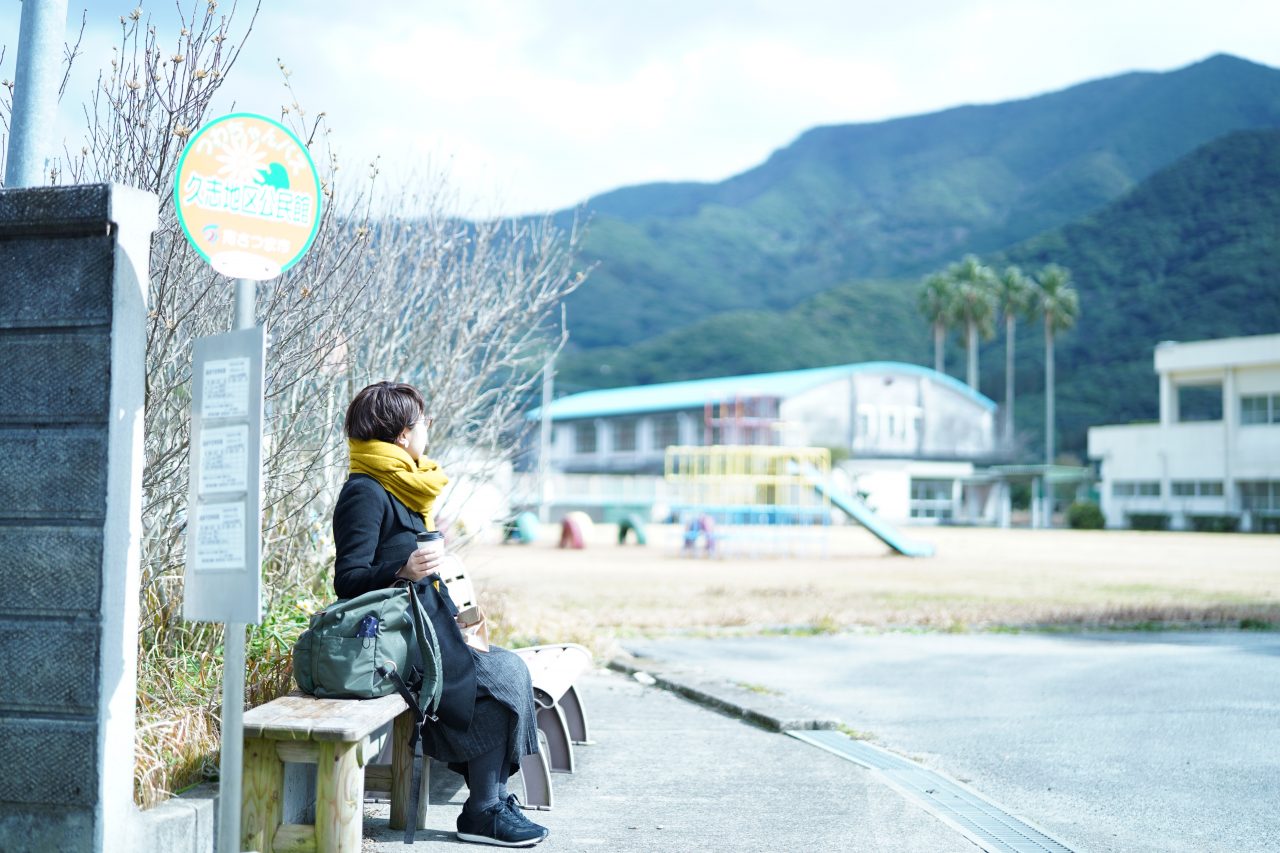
<point>539,105</point>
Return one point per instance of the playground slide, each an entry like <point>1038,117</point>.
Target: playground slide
<point>863,514</point>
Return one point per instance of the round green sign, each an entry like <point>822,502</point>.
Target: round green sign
<point>248,196</point>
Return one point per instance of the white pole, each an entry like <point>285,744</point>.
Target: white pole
<point>544,443</point>
<point>35,91</point>
<point>231,763</point>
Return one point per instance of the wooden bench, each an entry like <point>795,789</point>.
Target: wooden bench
<point>342,738</point>
<point>338,736</point>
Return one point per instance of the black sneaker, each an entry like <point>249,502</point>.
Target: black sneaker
<point>513,806</point>
<point>498,826</point>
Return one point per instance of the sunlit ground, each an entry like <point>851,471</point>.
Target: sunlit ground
<point>980,579</point>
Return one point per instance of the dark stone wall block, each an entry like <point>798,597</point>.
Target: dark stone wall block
<point>51,667</point>
<point>25,829</point>
<point>58,761</point>
<point>53,473</point>
<point>47,571</point>
<point>60,376</point>
<point>55,209</point>
<point>55,281</point>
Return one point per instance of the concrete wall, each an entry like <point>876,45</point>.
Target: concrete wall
<point>893,414</point>
<point>73,272</point>
<point>887,483</point>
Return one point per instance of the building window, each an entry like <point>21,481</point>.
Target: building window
<point>1200,403</point>
<point>1197,488</point>
<point>624,434</point>
<point>868,422</point>
<point>1260,496</point>
<point>666,431</point>
<point>584,437</point>
<point>1135,489</point>
<point>931,499</point>
<point>1260,409</point>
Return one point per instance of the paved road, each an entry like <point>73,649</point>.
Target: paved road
<point>1113,742</point>
<point>665,774</point>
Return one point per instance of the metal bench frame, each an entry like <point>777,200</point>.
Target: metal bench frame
<point>562,721</point>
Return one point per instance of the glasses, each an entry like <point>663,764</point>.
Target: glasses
<point>426,421</point>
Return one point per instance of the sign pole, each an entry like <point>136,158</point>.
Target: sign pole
<point>231,760</point>
<point>544,442</point>
<point>248,198</point>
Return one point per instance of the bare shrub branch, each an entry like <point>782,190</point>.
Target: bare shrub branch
<point>468,311</point>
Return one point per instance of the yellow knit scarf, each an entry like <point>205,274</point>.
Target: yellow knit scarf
<point>415,484</point>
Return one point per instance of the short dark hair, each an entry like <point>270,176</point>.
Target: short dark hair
<point>383,410</point>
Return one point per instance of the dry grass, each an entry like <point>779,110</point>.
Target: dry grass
<point>979,579</point>
<point>179,709</point>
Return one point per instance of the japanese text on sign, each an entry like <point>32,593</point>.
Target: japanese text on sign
<point>219,538</point>
<point>226,388</point>
<point>224,460</point>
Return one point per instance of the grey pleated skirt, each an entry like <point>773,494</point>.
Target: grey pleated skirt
<point>504,714</point>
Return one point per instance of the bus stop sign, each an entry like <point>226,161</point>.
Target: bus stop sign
<point>248,196</point>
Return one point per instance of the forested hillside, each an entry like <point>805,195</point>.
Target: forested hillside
<point>895,198</point>
<point>1191,253</point>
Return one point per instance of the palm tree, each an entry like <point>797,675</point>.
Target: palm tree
<point>1059,304</point>
<point>974,306</point>
<point>937,305</point>
<point>1013,298</point>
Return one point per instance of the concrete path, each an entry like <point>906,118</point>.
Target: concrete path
<point>668,774</point>
<point>1113,742</point>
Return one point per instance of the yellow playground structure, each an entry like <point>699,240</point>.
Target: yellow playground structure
<point>750,500</point>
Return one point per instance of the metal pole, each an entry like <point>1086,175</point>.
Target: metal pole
<point>544,443</point>
<point>246,294</point>
<point>231,763</point>
<point>35,91</point>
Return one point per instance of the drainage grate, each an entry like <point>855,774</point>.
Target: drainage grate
<point>980,820</point>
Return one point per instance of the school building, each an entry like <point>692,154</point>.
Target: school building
<point>1213,459</point>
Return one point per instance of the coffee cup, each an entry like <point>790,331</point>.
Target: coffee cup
<point>431,540</point>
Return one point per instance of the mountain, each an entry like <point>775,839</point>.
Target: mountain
<point>895,198</point>
<point>1190,253</point>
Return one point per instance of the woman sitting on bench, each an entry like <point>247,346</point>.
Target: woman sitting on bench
<point>487,717</point>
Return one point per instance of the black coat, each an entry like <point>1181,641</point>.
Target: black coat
<point>374,534</point>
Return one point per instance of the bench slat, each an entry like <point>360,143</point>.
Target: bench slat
<point>555,668</point>
<point>299,717</point>
<point>295,838</point>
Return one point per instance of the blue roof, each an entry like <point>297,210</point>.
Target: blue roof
<point>694,393</point>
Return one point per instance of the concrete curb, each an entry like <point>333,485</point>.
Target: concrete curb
<point>184,824</point>
<point>765,710</point>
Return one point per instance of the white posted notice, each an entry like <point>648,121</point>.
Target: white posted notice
<point>226,388</point>
<point>219,537</point>
<point>224,459</point>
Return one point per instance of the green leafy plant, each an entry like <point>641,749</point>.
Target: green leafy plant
<point>1214,523</point>
<point>1085,515</point>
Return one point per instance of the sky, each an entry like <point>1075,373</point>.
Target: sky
<point>536,105</point>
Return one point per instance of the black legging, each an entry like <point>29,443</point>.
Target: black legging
<point>487,780</point>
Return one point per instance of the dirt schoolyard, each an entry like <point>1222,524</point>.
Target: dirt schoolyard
<point>979,579</point>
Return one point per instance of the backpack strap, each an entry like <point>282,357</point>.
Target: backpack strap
<point>429,647</point>
<point>431,660</point>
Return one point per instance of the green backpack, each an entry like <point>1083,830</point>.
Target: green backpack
<point>371,645</point>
